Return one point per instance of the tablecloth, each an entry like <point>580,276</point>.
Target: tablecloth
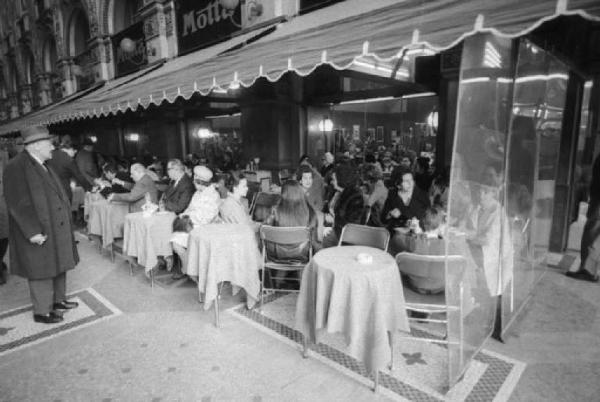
<point>106,219</point>
<point>364,302</point>
<point>147,237</point>
<point>224,252</point>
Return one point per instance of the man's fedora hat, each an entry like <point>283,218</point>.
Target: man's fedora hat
<point>35,134</point>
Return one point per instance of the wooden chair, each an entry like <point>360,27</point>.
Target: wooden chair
<point>362,235</point>
<point>284,250</point>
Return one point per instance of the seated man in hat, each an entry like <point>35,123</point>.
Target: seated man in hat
<point>203,209</point>
<point>137,196</point>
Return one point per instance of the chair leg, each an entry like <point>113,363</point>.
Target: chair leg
<point>152,278</point>
<point>112,253</point>
<point>130,262</point>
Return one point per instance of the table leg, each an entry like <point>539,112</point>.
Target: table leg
<point>391,339</point>
<point>376,380</point>
<point>304,347</point>
<point>217,324</point>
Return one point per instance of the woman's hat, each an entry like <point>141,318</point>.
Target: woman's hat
<point>35,134</point>
<point>203,173</point>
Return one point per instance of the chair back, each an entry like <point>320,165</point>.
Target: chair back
<point>284,174</point>
<point>286,244</point>
<point>427,273</point>
<point>262,205</point>
<point>362,235</point>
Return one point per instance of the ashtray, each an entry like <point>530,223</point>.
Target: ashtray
<point>364,258</point>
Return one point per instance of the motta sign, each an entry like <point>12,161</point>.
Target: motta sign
<point>201,23</point>
<point>129,48</point>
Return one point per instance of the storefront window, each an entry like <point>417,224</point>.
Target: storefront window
<point>538,103</point>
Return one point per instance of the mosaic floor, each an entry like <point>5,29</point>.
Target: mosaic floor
<point>18,330</point>
<point>419,372</point>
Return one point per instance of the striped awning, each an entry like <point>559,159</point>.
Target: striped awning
<point>333,36</point>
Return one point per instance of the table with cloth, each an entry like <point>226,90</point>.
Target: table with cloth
<point>78,199</point>
<point>88,199</point>
<point>106,219</point>
<point>220,252</point>
<point>364,301</point>
<point>146,237</point>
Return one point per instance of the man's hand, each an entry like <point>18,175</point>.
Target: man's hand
<point>117,181</point>
<point>38,239</point>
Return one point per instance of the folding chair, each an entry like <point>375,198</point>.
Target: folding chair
<point>284,249</point>
<point>362,235</point>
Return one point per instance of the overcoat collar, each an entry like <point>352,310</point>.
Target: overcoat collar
<point>47,175</point>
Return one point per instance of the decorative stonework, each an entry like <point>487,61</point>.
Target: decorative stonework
<point>169,22</point>
<point>151,27</point>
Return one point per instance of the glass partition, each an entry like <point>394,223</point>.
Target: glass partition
<point>477,219</point>
<point>540,87</point>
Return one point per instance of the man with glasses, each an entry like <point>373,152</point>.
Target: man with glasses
<point>177,196</point>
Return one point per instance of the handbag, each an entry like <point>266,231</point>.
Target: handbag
<point>183,224</point>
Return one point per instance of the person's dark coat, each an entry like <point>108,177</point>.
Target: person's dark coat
<point>37,203</point>
<point>87,162</point>
<point>136,197</point>
<point>416,208</point>
<point>177,198</point>
<point>349,208</point>
<point>117,188</point>
<point>66,169</point>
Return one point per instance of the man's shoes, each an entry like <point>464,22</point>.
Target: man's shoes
<point>51,318</point>
<point>582,275</point>
<point>65,305</point>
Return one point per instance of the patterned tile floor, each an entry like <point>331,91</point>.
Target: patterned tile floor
<point>164,346</point>
<point>492,379</point>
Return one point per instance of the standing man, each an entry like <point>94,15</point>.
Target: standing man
<point>590,239</point>
<point>87,161</point>
<point>42,247</point>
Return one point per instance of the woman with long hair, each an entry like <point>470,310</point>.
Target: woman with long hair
<point>293,209</point>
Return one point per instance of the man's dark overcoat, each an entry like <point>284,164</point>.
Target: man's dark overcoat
<point>37,203</point>
<point>66,169</point>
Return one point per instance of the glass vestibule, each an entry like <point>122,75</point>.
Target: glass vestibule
<point>504,164</point>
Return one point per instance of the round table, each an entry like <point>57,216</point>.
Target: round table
<point>220,252</point>
<point>365,302</point>
<point>147,237</point>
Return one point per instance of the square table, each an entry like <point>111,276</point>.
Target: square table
<point>106,219</point>
<point>148,236</point>
<point>224,252</point>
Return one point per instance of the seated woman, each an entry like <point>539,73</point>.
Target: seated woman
<point>234,208</point>
<point>376,193</point>
<point>203,209</point>
<point>347,204</point>
<point>406,204</point>
<point>292,210</point>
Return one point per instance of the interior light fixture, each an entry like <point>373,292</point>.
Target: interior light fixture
<point>133,137</point>
<point>204,133</point>
<point>326,125</point>
<point>93,138</point>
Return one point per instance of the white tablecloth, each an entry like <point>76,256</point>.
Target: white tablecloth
<point>221,252</point>
<point>147,237</point>
<point>364,302</point>
<point>106,219</point>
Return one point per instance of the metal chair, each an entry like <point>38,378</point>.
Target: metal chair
<point>428,273</point>
<point>362,235</point>
<point>284,249</point>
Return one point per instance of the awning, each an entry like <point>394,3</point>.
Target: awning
<point>336,35</point>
